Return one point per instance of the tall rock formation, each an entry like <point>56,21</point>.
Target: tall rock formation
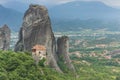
<point>63,51</point>
<point>5,38</point>
<point>36,29</point>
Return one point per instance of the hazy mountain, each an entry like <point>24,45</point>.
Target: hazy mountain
<point>22,6</point>
<point>69,16</point>
<point>78,15</point>
<point>10,17</point>
<point>84,10</point>
<point>18,6</point>
<point>77,25</point>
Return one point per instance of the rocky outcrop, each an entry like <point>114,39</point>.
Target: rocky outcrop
<point>63,51</point>
<point>5,38</point>
<point>36,29</point>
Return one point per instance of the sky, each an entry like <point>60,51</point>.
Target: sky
<point>112,3</point>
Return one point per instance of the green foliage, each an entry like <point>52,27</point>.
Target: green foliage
<point>62,64</point>
<point>21,66</point>
<point>42,62</point>
<point>118,78</point>
<point>3,76</point>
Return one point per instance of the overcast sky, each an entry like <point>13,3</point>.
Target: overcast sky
<point>113,3</point>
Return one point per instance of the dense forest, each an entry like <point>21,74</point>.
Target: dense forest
<point>21,66</point>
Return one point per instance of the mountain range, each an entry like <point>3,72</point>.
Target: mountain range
<point>84,10</point>
<point>71,16</point>
<point>10,17</point>
<point>84,15</point>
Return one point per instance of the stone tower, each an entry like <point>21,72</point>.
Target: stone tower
<point>63,51</point>
<point>5,37</point>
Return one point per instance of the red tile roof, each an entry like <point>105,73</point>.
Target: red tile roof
<point>39,47</point>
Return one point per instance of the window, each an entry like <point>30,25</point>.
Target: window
<point>39,52</point>
<point>33,50</point>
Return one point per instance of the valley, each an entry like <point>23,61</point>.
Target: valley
<point>95,54</point>
<point>87,40</point>
<point>90,52</point>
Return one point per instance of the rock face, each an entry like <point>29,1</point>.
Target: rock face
<point>36,30</point>
<point>63,51</point>
<point>5,38</point>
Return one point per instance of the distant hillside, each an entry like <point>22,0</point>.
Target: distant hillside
<point>81,14</point>
<point>18,6</point>
<point>84,10</point>
<point>10,17</point>
<point>74,15</point>
<point>77,24</point>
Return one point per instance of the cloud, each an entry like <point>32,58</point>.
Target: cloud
<point>113,3</point>
<point>2,2</point>
<point>108,2</point>
<point>51,1</point>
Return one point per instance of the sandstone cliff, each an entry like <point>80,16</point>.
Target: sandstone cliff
<point>63,51</point>
<point>5,37</point>
<point>36,29</point>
